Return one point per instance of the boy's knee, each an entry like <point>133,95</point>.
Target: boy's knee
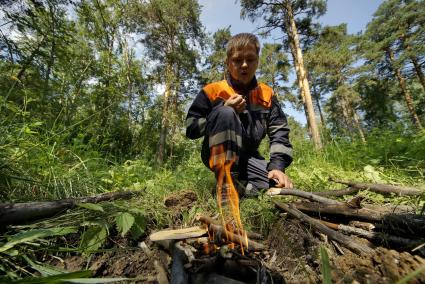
<point>226,112</point>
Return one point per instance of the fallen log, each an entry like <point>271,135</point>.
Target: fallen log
<point>382,188</point>
<point>334,235</point>
<point>374,236</point>
<point>400,223</point>
<point>307,195</point>
<point>18,213</point>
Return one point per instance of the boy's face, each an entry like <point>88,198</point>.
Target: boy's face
<point>243,63</point>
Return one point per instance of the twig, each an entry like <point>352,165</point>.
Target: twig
<point>308,195</point>
<point>382,188</point>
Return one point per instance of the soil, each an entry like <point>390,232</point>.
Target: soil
<point>297,257</point>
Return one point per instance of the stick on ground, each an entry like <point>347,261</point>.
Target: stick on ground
<point>307,195</point>
<point>18,213</point>
<point>382,188</point>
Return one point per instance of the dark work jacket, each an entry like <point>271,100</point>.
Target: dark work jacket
<point>263,115</point>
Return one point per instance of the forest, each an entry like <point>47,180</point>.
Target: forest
<point>93,104</point>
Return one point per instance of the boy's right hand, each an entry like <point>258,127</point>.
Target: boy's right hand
<point>237,102</point>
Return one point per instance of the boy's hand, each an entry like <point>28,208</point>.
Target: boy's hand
<point>237,102</point>
<point>281,179</point>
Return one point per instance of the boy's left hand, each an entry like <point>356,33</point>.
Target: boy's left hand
<point>281,179</point>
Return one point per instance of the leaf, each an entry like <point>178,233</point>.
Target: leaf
<point>372,174</point>
<point>91,206</point>
<point>138,227</point>
<point>93,238</point>
<point>54,278</point>
<point>326,267</point>
<point>36,234</point>
<point>124,222</point>
<point>44,269</point>
<point>411,275</point>
<point>96,280</point>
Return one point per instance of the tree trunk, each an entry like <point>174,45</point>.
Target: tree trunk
<point>165,118</point>
<point>292,32</point>
<point>359,126</point>
<point>418,71</point>
<point>405,90</point>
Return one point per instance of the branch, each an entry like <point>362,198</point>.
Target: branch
<point>17,213</point>
<point>308,195</point>
<point>382,188</point>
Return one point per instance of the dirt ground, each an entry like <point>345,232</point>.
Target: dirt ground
<point>293,252</point>
<point>297,257</point>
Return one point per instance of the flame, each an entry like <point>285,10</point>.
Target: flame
<point>227,196</point>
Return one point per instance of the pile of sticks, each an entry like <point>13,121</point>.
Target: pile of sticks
<point>397,227</point>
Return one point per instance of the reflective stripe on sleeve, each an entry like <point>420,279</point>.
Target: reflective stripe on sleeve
<point>274,128</point>
<point>279,148</point>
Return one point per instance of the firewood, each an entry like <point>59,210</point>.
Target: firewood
<point>382,237</point>
<point>382,188</point>
<point>18,213</point>
<point>208,220</point>
<point>334,235</point>
<point>338,192</point>
<point>308,195</point>
<point>235,238</point>
<point>396,222</point>
<point>179,234</point>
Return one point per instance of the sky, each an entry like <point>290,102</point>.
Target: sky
<point>223,13</point>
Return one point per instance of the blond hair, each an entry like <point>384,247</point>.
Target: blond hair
<point>241,40</point>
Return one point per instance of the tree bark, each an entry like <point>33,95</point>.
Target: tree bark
<point>17,213</point>
<point>292,32</point>
<point>405,90</point>
<point>418,71</point>
<point>359,127</point>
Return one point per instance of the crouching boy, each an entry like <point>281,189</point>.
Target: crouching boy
<point>234,115</point>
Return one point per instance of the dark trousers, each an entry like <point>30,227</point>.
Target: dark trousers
<point>224,127</point>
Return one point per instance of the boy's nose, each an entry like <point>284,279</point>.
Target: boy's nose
<point>244,64</point>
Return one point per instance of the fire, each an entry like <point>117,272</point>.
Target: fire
<point>227,196</point>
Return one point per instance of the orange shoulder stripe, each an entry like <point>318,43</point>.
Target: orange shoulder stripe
<point>218,90</point>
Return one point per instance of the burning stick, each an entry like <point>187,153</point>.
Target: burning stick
<point>220,232</point>
<point>207,220</point>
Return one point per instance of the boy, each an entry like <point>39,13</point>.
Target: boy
<point>234,115</point>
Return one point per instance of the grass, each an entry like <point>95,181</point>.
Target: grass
<point>51,171</point>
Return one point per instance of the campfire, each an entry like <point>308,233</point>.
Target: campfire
<point>212,252</point>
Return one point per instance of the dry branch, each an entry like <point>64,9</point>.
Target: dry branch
<point>384,238</point>
<point>346,241</point>
<point>308,195</point>
<point>382,188</point>
<point>338,192</point>
<point>400,223</point>
<point>17,213</point>
<point>235,238</point>
<point>342,239</point>
<point>208,220</point>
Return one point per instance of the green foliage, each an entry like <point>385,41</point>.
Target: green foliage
<point>325,266</point>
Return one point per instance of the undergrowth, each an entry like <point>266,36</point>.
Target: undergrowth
<point>42,171</point>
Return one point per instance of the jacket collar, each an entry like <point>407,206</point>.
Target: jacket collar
<point>238,87</point>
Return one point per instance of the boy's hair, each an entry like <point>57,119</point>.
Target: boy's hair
<point>242,40</point>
